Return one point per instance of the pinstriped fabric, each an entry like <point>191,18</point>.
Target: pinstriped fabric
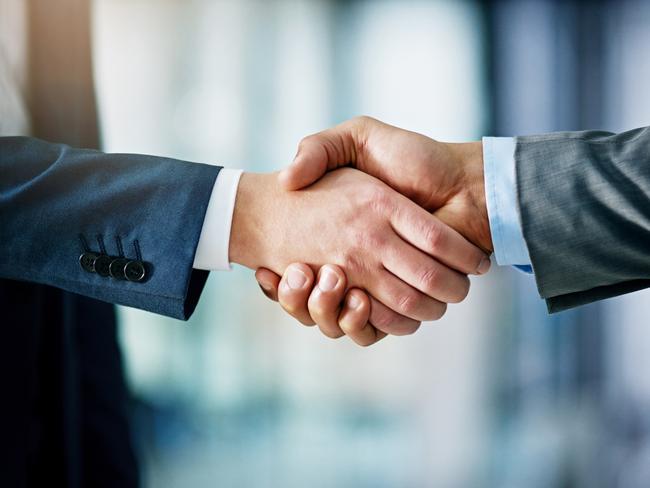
<point>585,210</point>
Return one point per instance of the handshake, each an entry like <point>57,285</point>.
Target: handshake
<point>373,229</point>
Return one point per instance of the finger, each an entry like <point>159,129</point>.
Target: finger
<point>354,316</point>
<point>294,290</point>
<point>269,282</point>
<point>426,274</point>
<point>325,300</point>
<point>404,299</point>
<point>388,321</point>
<point>431,235</point>
<point>318,153</point>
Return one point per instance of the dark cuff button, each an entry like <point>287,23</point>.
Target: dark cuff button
<point>102,265</point>
<point>135,271</point>
<point>116,268</point>
<point>87,261</point>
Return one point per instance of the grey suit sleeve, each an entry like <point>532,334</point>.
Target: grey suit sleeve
<point>584,200</point>
<point>57,202</point>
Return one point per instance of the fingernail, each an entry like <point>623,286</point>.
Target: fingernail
<point>484,266</point>
<point>328,280</point>
<point>354,302</point>
<point>296,279</point>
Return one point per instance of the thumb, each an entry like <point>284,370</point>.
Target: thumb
<point>308,166</point>
<point>319,153</point>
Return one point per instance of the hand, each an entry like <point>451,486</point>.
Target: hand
<point>359,320</point>
<point>382,241</point>
<point>443,178</point>
<point>336,311</point>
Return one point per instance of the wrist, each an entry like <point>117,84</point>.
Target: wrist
<point>250,232</point>
<point>471,185</point>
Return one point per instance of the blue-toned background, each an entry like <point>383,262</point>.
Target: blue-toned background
<point>497,394</point>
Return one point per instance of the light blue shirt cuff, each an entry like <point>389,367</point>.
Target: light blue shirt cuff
<point>501,197</point>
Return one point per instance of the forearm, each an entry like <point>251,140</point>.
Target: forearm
<point>52,194</point>
<point>584,200</point>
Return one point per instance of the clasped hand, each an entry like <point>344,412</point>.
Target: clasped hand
<point>370,249</point>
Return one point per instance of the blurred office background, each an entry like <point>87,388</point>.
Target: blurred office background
<point>497,394</point>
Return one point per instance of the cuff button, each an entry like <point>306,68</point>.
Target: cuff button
<point>87,261</point>
<point>135,271</point>
<point>102,265</point>
<point>116,268</point>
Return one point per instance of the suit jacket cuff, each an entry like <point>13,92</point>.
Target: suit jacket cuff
<point>60,202</point>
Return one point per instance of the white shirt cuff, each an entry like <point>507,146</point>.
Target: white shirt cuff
<point>501,198</point>
<point>214,242</point>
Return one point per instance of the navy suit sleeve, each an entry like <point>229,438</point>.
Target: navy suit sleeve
<point>57,202</point>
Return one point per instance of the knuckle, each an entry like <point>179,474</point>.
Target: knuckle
<point>374,197</point>
<point>351,262</point>
<point>435,236</point>
<point>408,303</point>
<point>376,240</point>
<point>431,279</point>
<point>383,320</point>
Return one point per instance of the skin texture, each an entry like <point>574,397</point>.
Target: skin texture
<point>380,241</point>
<point>445,179</point>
